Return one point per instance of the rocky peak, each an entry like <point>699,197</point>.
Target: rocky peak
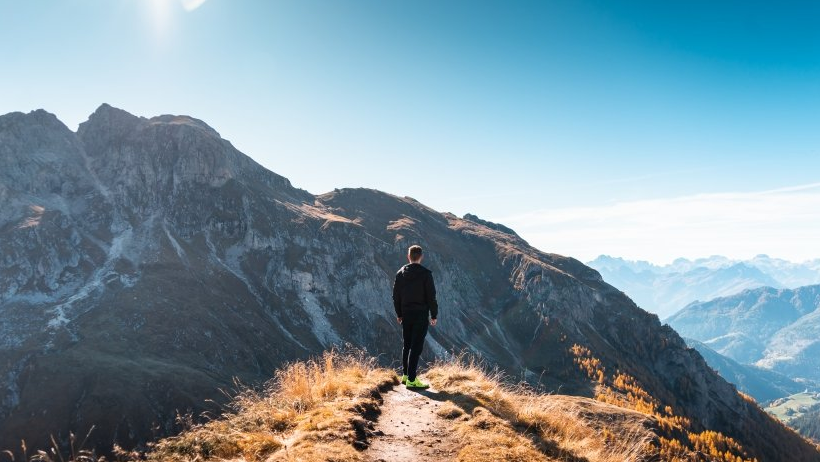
<point>110,119</point>
<point>37,117</point>
<point>489,224</point>
<point>157,156</point>
<point>38,155</point>
<point>34,129</point>
<point>183,120</point>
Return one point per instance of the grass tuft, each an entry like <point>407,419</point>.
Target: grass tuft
<point>304,413</point>
<point>512,422</point>
<point>450,411</point>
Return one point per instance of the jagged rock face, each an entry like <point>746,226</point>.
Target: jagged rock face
<point>145,263</point>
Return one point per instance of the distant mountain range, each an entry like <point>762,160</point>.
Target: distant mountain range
<point>145,263</point>
<point>665,290</point>
<point>762,384</point>
<point>777,329</point>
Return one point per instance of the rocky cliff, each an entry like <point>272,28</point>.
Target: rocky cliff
<point>146,263</point>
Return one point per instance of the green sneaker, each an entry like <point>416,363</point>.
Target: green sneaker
<point>403,379</point>
<point>416,384</point>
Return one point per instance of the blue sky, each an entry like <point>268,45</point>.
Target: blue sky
<point>589,126</point>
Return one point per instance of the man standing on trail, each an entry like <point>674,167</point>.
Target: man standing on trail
<point>414,298</point>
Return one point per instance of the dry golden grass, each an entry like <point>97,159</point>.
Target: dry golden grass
<point>511,423</point>
<point>334,451</point>
<point>450,411</point>
<point>305,413</point>
<point>313,411</point>
<point>76,452</point>
<point>677,441</point>
<point>491,438</point>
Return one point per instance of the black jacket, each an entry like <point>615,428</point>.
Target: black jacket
<point>414,291</point>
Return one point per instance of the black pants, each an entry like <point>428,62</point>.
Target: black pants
<point>414,327</point>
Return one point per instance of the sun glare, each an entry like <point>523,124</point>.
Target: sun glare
<point>191,5</point>
<point>160,14</point>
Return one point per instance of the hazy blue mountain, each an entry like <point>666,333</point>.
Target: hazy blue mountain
<point>777,329</point>
<point>762,384</point>
<point>788,274</point>
<point>795,349</point>
<point>667,289</point>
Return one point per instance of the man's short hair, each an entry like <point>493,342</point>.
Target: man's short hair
<point>414,252</point>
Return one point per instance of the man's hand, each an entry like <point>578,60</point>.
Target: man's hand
<point>399,320</point>
<point>433,322</point>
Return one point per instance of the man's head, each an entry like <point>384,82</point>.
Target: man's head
<point>414,254</point>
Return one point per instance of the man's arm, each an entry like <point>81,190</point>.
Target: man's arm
<point>397,295</point>
<point>430,296</point>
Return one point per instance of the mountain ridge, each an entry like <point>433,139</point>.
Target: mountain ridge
<point>667,289</point>
<point>150,264</point>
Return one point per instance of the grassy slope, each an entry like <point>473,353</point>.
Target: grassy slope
<point>800,411</point>
<point>322,410</point>
<point>319,411</point>
<point>793,406</point>
<point>808,424</point>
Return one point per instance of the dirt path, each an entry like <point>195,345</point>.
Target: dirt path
<point>409,429</point>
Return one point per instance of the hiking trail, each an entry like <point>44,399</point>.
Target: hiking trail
<point>409,428</point>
